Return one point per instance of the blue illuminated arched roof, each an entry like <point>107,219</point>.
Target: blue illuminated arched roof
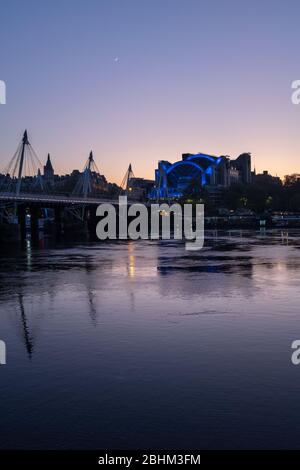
<point>202,155</point>
<point>190,168</point>
<point>183,170</point>
<point>184,163</point>
<point>203,160</point>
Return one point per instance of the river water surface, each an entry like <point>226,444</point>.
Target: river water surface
<point>146,345</point>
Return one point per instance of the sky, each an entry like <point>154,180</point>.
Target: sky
<point>138,81</point>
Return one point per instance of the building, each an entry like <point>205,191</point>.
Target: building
<point>138,188</point>
<point>196,171</point>
<point>48,171</point>
<point>265,178</point>
<point>242,164</point>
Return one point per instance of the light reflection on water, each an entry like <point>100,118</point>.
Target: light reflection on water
<point>146,345</point>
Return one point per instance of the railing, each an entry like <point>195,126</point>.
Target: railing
<point>55,198</point>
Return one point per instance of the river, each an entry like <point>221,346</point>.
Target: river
<point>143,344</point>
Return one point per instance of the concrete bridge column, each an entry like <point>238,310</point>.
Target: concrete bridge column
<point>21,213</point>
<point>34,222</point>
<point>91,221</point>
<point>58,221</point>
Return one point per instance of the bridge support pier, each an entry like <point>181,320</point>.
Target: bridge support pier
<point>34,223</point>
<point>91,222</point>
<point>58,221</point>
<point>21,213</point>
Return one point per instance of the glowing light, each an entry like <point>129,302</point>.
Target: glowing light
<point>131,260</point>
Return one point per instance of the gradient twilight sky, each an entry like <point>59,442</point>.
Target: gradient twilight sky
<point>143,80</point>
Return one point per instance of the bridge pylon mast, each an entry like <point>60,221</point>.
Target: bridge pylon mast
<point>87,183</point>
<point>125,185</point>
<point>24,164</point>
<point>84,185</point>
<point>21,162</point>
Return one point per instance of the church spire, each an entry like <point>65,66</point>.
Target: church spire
<point>48,165</point>
<point>48,169</point>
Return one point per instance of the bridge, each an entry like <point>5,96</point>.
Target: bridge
<point>17,202</point>
<point>44,200</point>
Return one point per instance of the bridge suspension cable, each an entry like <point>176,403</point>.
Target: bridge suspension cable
<point>84,185</point>
<point>125,184</point>
<point>23,172</point>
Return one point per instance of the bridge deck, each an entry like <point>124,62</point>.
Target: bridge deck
<point>57,199</point>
